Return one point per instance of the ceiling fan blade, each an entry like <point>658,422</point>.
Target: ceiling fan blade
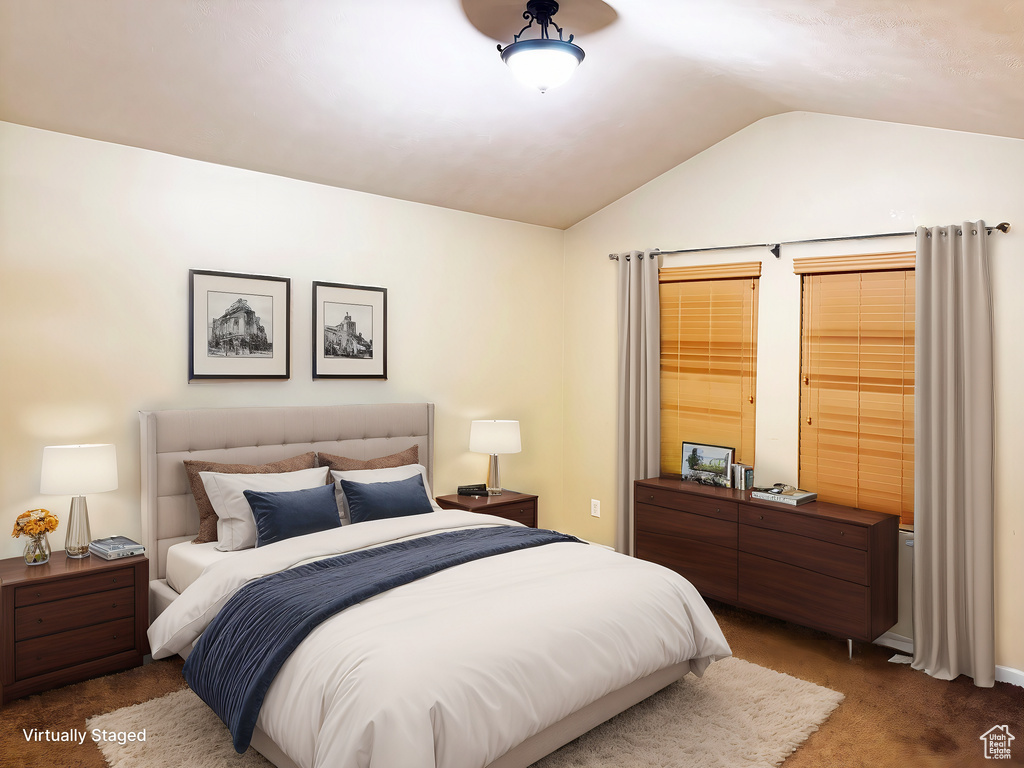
<point>501,19</point>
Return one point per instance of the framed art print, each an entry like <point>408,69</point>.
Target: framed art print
<point>707,464</point>
<point>350,331</point>
<point>239,326</point>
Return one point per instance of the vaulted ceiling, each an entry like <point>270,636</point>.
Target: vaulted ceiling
<point>407,98</point>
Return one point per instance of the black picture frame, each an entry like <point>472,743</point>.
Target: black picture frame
<point>350,331</point>
<point>239,326</point>
<point>715,467</point>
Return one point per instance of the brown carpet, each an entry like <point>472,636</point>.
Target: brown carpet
<point>893,716</point>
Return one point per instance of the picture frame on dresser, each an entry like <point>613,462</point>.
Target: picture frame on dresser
<point>350,331</point>
<point>707,464</point>
<point>239,326</point>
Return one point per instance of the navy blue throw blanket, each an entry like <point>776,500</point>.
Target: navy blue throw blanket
<point>240,653</point>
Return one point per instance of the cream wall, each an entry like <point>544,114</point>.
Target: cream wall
<point>96,241</point>
<point>791,177</point>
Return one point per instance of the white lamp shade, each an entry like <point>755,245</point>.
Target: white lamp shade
<point>494,436</point>
<point>542,68</point>
<point>75,470</point>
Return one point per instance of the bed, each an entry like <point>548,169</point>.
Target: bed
<point>509,632</point>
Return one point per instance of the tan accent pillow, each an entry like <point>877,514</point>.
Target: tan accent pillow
<point>343,464</point>
<point>207,517</point>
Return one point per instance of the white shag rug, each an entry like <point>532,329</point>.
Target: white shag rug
<point>739,715</point>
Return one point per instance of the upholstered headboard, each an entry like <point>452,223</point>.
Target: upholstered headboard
<point>258,436</point>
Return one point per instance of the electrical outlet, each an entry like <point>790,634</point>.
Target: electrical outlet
<point>595,508</point>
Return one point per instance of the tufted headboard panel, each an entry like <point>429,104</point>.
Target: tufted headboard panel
<point>258,436</point>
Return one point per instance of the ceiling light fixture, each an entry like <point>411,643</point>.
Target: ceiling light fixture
<point>542,62</point>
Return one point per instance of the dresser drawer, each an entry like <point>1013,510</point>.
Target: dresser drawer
<point>685,502</point>
<point>525,513</point>
<point>833,531</point>
<point>66,649</point>
<point>73,613</point>
<point>818,556</point>
<point>83,585</point>
<point>678,523</point>
<point>811,599</point>
<point>711,569</point>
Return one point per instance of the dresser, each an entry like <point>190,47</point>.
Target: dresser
<point>520,507</point>
<point>821,565</point>
<point>69,620</point>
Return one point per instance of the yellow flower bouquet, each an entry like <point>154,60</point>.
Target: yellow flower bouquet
<point>35,522</point>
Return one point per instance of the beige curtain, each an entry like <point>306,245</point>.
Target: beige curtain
<point>954,624</point>
<point>639,402</point>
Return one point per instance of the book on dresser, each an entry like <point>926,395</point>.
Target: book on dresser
<point>792,496</point>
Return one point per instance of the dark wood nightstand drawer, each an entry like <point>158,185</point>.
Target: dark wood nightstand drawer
<point>66,649</point>
<point>510,505</point>
<point>73,613</point>
<point>676,522</point>
<point>81,585</point>
<point>520,513</point>
<point>662,497</point>
<point>69,620</point>
<point>790,521</point>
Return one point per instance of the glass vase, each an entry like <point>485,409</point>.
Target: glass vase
<point>37,550</point>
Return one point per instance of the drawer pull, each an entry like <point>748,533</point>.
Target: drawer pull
<point>113,605</point>
<point>115,580</point>
<point>842,533</point>
<point>760,517</point>
<point>39,621</point>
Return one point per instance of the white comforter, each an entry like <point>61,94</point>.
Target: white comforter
<point>457,668</point>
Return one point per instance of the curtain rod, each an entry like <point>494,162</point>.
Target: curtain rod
<point>775,247</point>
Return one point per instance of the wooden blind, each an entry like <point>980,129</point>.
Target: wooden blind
<point>857,389</point>
<point>708,366</point>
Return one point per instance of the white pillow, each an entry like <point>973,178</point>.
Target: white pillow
<point>388,475</point>
<point>236,527</point>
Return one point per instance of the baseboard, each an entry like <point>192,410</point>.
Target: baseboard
<point>906,645</point>
<point>1010,675</point>
<point>896,642</point>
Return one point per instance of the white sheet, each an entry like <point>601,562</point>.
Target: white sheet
<point>186,561</point>
<point>455,669</point>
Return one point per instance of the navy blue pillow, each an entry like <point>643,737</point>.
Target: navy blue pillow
<point>377,501</point>
<point>284,514</point>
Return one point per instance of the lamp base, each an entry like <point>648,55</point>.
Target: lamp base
<point>76,543</point>
<point>493,477</point>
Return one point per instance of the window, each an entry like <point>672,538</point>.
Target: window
<point>857,381</point>
<point>708,359</point>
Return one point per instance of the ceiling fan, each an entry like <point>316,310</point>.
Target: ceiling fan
<point>501,19</point>
<point>535,56</point>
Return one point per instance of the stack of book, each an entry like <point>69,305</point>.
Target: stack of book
<point>114,547</point>
<point>788,495</point>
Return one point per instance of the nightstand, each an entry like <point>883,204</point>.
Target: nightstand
<point>70,620</point>
<point>521,507</point>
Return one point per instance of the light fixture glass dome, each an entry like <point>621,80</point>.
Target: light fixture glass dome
<point>542,64</point>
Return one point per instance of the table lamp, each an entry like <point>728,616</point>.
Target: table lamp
<point>494,436</point>
<point>76,470</point>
